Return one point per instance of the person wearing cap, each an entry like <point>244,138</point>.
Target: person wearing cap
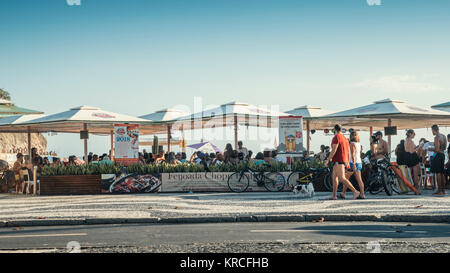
<point>382,147</point>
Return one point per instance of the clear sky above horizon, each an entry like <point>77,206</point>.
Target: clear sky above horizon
<point>139,56</point>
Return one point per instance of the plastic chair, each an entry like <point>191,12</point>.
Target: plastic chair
<point>431,178</point>
<point>423,177</point>
<point>27,182</point>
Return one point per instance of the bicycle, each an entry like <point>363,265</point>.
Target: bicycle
<point>383,177</point>
<point>272,181</point>
<point>300,177</point>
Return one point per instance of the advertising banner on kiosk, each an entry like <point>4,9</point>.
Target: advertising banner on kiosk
<point>126,143</point>
<point>290,133</point>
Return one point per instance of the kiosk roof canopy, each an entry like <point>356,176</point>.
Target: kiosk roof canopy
<point>402,115</point>
<point>167,114</point>
<point>72,121</point>
<point>307,111</point>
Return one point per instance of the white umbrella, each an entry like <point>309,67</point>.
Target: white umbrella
<point>167,114</point>
<point>309,113</point>
<point>390,113</point>
<point>231,114</point>
<point>442,106</point>
<point>10,120</point>
<point>75,120</point>
<point>163,118</point>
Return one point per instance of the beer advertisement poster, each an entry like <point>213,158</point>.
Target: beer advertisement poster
<point>290,134</point>
<point>126,143</point>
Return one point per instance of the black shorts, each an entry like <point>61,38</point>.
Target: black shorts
<point>437,163</point>
<point>411,159</point>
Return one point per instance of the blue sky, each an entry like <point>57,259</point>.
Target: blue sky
<point>138,56</point>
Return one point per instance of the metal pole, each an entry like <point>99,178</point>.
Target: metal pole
<point>389,136</point>
<point>307,136</point>
<point>29,143</point>
<point>112,145</point>
<point>168,137</point>
<point>85,145</point>
<point>235,132</point>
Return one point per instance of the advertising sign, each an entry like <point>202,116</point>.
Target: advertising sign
<point>290,132</point>
<point>131,183</point>
<point>204,182</point>
<point>126,143</point>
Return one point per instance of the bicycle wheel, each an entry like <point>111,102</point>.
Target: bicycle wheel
<point>274,181</point>
<point>238,182</point>
<point>375,184</point>
<point>387,184</point>
<point>394,182</point>
<point>328,182</point>
<point>293,178</point>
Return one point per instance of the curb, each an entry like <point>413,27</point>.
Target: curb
<point>231,219</point>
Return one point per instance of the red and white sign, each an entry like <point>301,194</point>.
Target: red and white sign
<point>126,143</point>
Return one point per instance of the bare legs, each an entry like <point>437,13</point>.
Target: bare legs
<point>339,175</point>
<point>360,184</point>
<point>415,172</point>
<point>440,181</point>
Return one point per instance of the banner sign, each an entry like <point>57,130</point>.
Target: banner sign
<point>131,183</point>
<point>126,143</point>
<point>205,182</point>
<point>290,132</point>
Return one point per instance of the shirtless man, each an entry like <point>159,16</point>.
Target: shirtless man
<point>438,160</point>
<point>382,148</point>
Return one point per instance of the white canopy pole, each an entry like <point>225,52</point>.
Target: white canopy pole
<point>85,145</point>
<point>235,132</point>
<point>389,136</point>
<point>307,137</point>
<point>112,145</point>
<point>168,137</point>
<point>29,141</point>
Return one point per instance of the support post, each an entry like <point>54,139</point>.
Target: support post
<point>112,145</point>
<point>168,137</point>
<point>235,132</point>
<point>308,136</point>
<point>85,145</point>
<point>29,142</point>
<point>389,137</point>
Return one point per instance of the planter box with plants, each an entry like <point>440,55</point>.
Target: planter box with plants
<point>85,179</point>
<point>139,178</point>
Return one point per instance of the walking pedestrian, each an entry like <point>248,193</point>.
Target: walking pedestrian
<point>340,157</point>
<point>355,163</point>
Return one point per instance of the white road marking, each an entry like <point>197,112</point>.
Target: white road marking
<point>43,235</point>
<point>334,231</point>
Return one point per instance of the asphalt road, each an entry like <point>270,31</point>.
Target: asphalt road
<point>231,237</point>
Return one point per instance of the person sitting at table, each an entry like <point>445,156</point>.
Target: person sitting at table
<point>16,169</point>
<point>160,157</point>
<point>259,159</point>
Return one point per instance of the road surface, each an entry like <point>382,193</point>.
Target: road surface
<point>321,237</point>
